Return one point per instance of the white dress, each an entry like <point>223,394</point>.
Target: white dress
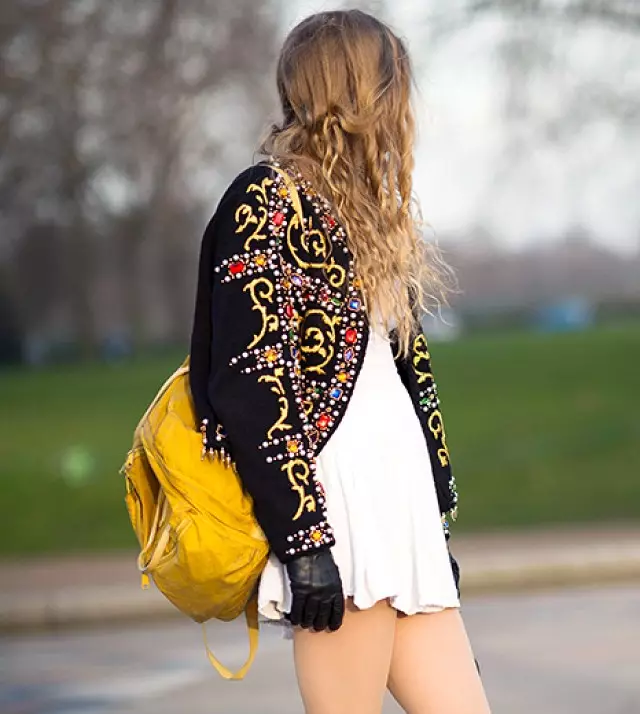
<point>381,502</point>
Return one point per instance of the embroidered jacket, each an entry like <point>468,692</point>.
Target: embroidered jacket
<point>279,335</point>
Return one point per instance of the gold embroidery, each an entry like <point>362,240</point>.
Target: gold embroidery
<point>436,427</point>
<point>314,242</point>
<point>298,474</point>
<point>283,403</point>
<point>335,273</point>
<point>420,353</point>
<point>443,455</point>
<point>261,288</point>
<point>319,341</point>
<point>245,215</point>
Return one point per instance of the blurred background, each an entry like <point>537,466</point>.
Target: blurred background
<point>122,122</point>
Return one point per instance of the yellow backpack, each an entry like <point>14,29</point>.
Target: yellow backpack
<point>201,544</point>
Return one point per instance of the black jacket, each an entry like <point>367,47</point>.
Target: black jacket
<point>279,335</point>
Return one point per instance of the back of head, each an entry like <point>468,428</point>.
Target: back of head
<point>344,80</point>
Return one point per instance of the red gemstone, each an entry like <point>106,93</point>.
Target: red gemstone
<point>237,267</point>
<point>324,295</point>
<point>278,218</point>
<point>351,336</point>
<point>330,221</point>
<point>323,421</point>
<point>288,310</point>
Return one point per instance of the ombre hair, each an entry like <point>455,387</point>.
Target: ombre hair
<point>344,80</point>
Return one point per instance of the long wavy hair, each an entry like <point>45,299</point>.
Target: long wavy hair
<point>344,80</point>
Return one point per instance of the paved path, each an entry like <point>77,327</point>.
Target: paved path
<point>77,590</point>
<point>564,652</point>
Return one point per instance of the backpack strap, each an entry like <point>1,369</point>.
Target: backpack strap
<point>251,614</point>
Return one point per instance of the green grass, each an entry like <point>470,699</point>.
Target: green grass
<point>542,428</point>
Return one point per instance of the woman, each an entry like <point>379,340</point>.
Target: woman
<point>310,370</point>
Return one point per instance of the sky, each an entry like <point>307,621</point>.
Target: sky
<point>463,175</point>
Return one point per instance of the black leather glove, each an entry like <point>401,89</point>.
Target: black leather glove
<point>456,572</point>
<point>456,577</point>
<point>454,565</point>
<point>316,589</point>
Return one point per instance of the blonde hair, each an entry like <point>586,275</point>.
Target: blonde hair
<point>344,80</point>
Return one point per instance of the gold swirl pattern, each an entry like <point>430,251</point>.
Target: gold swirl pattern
<point>315,243</point>
<point>262,289</point>
<point>436,427</point>
<point>336,274</point>
<point>318,340</point>
<point>420,354</point>
<point>317,247</point>
<point>298,474</point>
<point>245,215</point>
<point>283,403</point>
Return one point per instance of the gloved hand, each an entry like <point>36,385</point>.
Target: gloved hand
<point>316,589</point>
<point>454,565</point>
<point>456,578</point>
<point>456,572</point>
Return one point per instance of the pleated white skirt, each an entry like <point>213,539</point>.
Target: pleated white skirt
<point>381,502</point>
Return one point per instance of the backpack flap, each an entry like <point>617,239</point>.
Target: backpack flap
<point>142,492</point>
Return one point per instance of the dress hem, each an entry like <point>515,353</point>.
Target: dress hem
<point>270,614</point>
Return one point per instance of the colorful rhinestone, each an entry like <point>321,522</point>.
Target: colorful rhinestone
<point>237,267</point>
<point>351,336</point>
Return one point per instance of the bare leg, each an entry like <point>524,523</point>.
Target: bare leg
<point>345,672</point>
<point>432,667</point>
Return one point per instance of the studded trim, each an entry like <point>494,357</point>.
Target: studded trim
<point>311,332</point>
<point>298,273</point>
<point>429,403</point>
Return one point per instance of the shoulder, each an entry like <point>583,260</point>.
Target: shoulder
<point>259,218</point>
<point>247,186</point>
<point>243,210</point>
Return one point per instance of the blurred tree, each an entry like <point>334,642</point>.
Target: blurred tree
<point>565,77</point>
<point>114,126</point>
<point>550,52</point>
<point>619,14</point>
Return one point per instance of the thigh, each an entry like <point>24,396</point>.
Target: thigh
<point>345,672</point>
<point>432,667</point>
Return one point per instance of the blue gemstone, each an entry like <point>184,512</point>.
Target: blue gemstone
<point>348,355</point>
<point>296,280</point>
<point>354,304</point>
<point>336,393</point>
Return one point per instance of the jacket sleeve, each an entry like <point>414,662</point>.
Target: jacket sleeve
<point>251,398</point>
<point>417,375</point>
